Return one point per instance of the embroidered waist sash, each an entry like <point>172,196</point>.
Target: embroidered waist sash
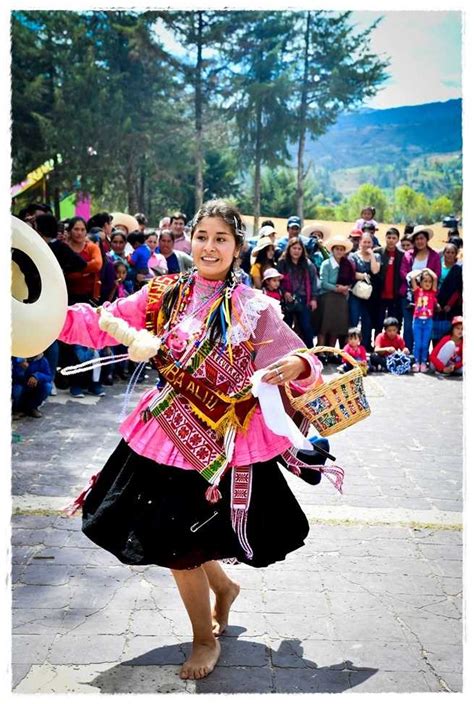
<point>214,408</point>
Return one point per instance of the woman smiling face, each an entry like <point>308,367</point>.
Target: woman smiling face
<point>213,248</point>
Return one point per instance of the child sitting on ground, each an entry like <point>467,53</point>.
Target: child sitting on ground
<point>446,357</point>
<point>31,385</point>
<point>386,343</point>
<point>271,284</point>
<point>356,350</point>
<point>424,298</point>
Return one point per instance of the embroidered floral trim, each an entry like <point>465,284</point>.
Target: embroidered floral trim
<point>250,304</point>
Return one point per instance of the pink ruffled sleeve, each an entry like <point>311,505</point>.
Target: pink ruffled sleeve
<point>82,321</point>
<point>274,339</point>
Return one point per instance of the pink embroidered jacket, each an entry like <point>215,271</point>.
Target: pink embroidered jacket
<point>259,321</point>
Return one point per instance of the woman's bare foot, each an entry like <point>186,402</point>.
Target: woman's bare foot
<point>220,614</point>
<point>202,661</point>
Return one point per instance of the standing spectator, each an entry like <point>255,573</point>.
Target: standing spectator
<point>299,286</point>
<point>447,356</point>
<point>293,229</point>
<point>354,237</point>
<point>142,221</point>
<point>31,384</point>
<point>405,243</point>
<point>424,287</point>
<point>450,295</point>
<point>271,285</point>
<point>370,229</point>
<point>103,221</point>
<point>367,216</point>
<point>176,261</point>
<point>138,259</point>
<point>389,303</point>
<point>83,286</point>
<point>267,230</point>
<point>317,252</point>
<point>69,261</point>
<point>367,266</point>
<point>337,276</point>
<point>157,262</point>
<point>118,240</point>
<point>420,257</point>
<point>177,225</point>
<point>262,258</point>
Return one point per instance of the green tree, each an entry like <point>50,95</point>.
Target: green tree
<point>334,70</point>
<point>260,90</point>
<point>366,195</point>
<point>440,207</point>
<point>202,33</point>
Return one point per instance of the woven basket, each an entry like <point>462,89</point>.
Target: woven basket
<point>337,404</point>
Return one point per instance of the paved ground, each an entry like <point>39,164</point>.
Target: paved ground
<point>372,603</point>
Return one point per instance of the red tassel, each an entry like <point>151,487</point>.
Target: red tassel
<point>73,507</point>
<point>213,495</point>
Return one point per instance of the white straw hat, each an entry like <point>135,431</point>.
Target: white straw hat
<point>35,324</point>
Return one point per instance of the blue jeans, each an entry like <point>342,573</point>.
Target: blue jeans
<point>26,398</point>
<point>359,309</point>
<point>422,328</point>
<point>407,324</point>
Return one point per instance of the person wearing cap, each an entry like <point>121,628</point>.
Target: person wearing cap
<point>422,256</point>
<point>389,302</point>
<point>337,276</point>
<point>271,284</point>
<point>300,288</point>
<point>447,355</point>
<point>262,258</point>
<point>354,237</point>
<point>293,226</point>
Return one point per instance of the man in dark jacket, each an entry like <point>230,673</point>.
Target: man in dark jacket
<point>388,302</point>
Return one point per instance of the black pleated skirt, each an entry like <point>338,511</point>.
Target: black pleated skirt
<point>146,513</point>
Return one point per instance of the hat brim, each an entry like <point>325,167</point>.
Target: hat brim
<point>428,232</point>
<point>37,324</point>
<point>309,229</point>
<point>334,242</point>
<point>126,220</point>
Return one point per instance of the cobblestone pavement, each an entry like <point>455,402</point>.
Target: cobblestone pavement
<point>371,603</point>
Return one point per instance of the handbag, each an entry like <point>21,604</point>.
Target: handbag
<point>294,306</point>
<point>362,289</point>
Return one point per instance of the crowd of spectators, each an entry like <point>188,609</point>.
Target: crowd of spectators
<point>381,297</point>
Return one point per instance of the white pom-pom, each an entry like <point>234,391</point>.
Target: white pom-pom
<point>142,345</point>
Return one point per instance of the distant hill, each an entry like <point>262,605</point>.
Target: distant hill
<point>382,136</point>
<point>419,145</point>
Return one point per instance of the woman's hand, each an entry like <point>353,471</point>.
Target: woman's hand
<point>342,289</point>
<point>285,369</point>
<point>288,297</point>
<point>313,304</point>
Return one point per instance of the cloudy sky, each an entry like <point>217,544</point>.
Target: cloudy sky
<point>424,48</point>
<point>425,52</point>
